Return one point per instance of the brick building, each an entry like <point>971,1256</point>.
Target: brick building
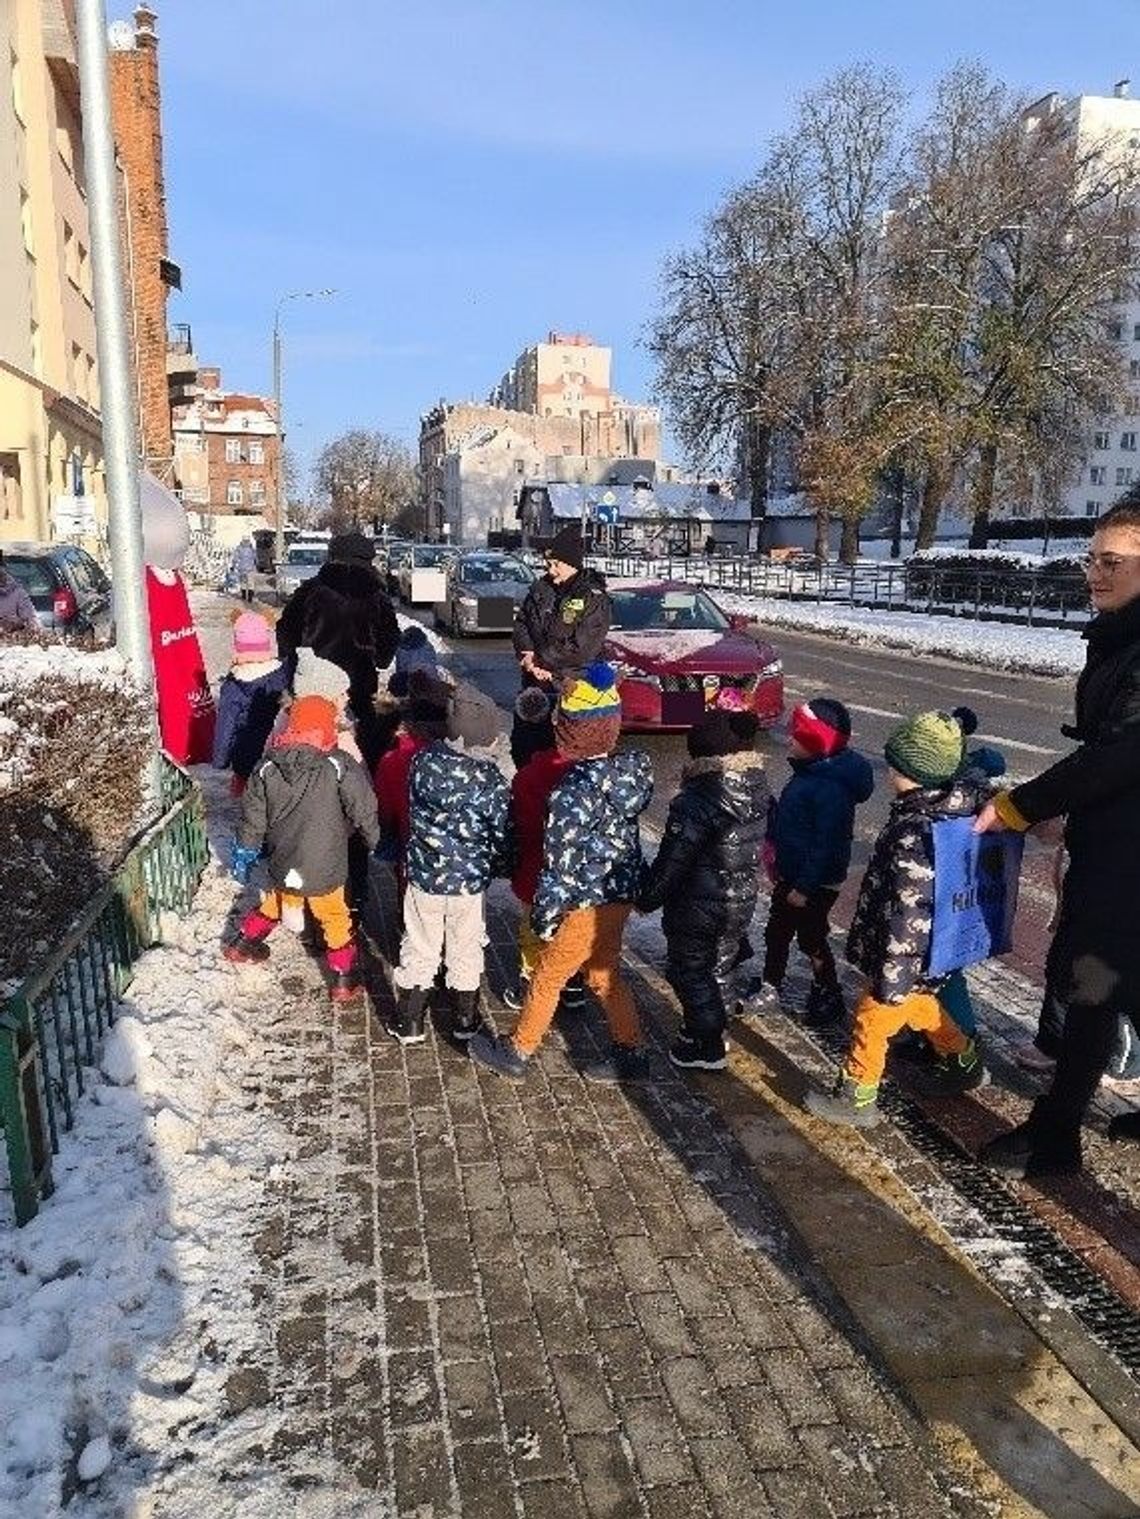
<point>136,106</point>
<point>225,449</point>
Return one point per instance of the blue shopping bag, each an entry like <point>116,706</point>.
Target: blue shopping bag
<point>975,894</point>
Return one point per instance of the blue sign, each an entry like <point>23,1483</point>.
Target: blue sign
<point>607,513</point>
<point>975,894</point>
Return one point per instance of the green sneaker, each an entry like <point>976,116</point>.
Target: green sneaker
<point>848,1102</point>
<point>953,1074</point>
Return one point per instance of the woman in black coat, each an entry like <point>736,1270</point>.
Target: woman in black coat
<point>1094,959</point>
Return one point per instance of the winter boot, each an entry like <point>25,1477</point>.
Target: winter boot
<point>691,1054</point>
<point>573,997</point>
<point>622,1064</point>
<point>244,951</point>
<point>848,1102</point>
<point>952,1074</point>
<point>761,997</point>
<point>344,984</point>
<point>407,1022</point>
<point>467,1018</point>
<point>495,1052</point>
<point>514,996</point>
<point>1035,1148</point>
<point>825,1005</point>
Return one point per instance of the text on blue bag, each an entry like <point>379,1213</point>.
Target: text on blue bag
<point>975,894</point>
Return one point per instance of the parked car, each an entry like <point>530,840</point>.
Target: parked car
<point>484,591</point>
<point>69,590</point>
<point>301,562</point>
<point>422,574</point>
<point>676,651</point>
<point>397,551</point>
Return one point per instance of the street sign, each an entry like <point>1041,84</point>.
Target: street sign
<point>74,517</point>
<point>608,513</point>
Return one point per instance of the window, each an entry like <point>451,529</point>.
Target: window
<point>1134,369</point>
<point>1136,333</point>
<point>1124,477</point>
<point>256,451</point>
<point>1115,330</point>
<point>233,450</point>
<point>84,273</point>
<point>1100,440</point>
<point>257,493</point>
<point>1098,475</point>
<point>37,351</point>
<point>26,223</point>
<point>1092,508</point>
<point>17,86</point>
<point>1128,442</point>
<point>233,493</point>
<point>78,372</point>
<point>70,255</point>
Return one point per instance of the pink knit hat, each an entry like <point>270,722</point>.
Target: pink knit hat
<point>253,639</point>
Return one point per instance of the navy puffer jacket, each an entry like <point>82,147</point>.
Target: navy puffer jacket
<point>459,820</point>
<point>815,819</point>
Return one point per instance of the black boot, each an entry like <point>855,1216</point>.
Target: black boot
<point>243,951</point>
<point>407,1022</point>
<point>1035,1148</point>
<point>467,1020</point>
<point>824,1005</point>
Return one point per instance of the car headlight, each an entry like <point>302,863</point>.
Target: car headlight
<point>468,604</point>
<point>766,672</point>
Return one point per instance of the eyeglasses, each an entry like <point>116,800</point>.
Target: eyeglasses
<point>1109,563</point>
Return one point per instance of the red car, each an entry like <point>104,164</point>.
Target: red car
<point>676,651</point>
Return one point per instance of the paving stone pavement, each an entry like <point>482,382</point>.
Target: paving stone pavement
<point>553,1298</point>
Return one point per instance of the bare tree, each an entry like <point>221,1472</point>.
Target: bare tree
<point>366,477</point>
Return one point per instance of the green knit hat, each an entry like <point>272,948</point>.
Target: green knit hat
<point>928,748</point>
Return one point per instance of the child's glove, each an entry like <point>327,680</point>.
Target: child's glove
<point>243,857</point>
<point>388,849</point>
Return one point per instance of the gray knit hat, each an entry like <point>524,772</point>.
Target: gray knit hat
<point>472,717</point>
<point>928,748</point>
<point>318,677</point>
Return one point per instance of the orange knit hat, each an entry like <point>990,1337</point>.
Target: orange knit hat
<point>311,720</point>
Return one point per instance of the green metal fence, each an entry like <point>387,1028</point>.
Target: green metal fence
<point>52,1027</point>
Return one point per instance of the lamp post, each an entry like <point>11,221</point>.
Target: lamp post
<point>292,295</point>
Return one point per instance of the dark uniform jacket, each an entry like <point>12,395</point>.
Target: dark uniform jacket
<point>564,626</point>
<point>343,614</point>
<point>299,808</point>
<point>1095,954</point>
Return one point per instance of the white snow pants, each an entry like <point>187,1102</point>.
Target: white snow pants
<point>435,927</point>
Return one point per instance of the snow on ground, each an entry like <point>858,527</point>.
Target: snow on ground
<point>103,1297</point>
<point>21,664</point>
<point>998,646</point>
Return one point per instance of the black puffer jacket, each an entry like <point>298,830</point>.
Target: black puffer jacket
<point>564,626</point>
<point>707,869</point>
<point>299,808</point>
<point>343,613</point>
<point>1095,952</point>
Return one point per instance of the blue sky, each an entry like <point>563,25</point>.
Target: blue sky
<point>469,175</point>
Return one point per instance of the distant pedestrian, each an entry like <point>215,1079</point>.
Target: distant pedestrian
<point>303,800</point>
<point>561,627</point>
<point>459,820</point>
<point>243,564</point>
<point>590,877</point>
<point>892,930</point>
<point>1093,964</point>
<point>249,699</point>
<point>706,877</point>
<point>17,610</point>
<point>812,833</point>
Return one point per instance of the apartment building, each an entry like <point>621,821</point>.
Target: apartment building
<point>225,449</point>
<point>51,448</point>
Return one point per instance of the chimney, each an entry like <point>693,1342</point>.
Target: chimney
<point>1120,88</point>
<point>146,34</point>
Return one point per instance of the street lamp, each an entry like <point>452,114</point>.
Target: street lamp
<point>292,295</point>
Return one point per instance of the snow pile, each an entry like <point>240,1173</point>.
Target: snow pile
<point>999,646</point>
<point>105,1359</point>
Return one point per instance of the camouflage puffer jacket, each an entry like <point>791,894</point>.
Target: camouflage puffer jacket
<point>459,821</point>
<point>592,849</point>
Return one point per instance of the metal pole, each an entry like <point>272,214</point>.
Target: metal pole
<point>120,443</point>
<point>279,548</point>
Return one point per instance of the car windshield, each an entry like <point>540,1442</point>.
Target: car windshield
<point>494,572</point>
<point>427,558</point>
<point>33,574</point>
<point>646,611</point>
<point>310,554</point>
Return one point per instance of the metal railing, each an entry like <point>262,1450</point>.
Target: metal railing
<point>1045,597</point>
<point>52,1027</point>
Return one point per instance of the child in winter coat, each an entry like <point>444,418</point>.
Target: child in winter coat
<point>891,931</point>
<point>459,818</point>
<point>590,878</point>
<point>303,800</point>
<point>249,699</point>
<point>812,834</point>
<point>423,721</point>
<point>706,877</point>
<point>413,652</point>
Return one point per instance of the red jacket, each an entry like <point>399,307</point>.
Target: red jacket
<point>530,794</point>
<point>391,784</point>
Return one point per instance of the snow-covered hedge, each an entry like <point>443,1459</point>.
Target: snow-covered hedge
<point>996,559</point>
<point>73,738</point>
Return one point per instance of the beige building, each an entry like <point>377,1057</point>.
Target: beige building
<point>50,431</point>
<point>567,376</point>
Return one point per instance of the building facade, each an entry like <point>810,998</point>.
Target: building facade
<point>51,449</point>
<point>225,449</point>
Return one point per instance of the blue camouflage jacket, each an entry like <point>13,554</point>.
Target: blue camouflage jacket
<point>592,848</point>
<point>459,821</point>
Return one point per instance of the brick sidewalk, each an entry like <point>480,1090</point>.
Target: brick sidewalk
<point>551,1299</point>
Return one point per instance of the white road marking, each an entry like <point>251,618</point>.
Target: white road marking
<point>995,738</point>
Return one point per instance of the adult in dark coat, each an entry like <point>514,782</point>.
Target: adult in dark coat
<point>344,614</point>
<point>561,628</point>
<point>1094,959</point>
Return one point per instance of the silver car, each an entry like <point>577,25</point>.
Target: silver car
<point>301,562</point>
<point>484,591</point>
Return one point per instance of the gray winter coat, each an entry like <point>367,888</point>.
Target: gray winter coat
<point>299,808</point>
<point>16,608</point>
